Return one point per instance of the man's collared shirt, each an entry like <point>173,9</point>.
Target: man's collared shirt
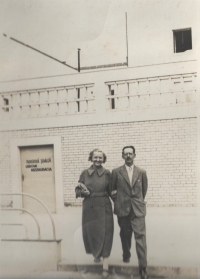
<point>130,172</point>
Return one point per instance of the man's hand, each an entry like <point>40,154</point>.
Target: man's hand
<point>114,195</point>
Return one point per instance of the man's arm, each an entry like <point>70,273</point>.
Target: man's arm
<point>144,184</point>
<point>113,185</point>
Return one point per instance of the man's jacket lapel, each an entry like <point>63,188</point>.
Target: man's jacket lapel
<point>124,173</point>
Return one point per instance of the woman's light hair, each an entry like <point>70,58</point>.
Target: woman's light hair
<point>97,150</point>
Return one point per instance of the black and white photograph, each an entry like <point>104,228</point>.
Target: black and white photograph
<point>99,139</point>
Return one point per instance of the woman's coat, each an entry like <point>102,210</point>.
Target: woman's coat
<point>97,218</point>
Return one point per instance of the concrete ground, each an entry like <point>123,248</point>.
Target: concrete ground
<point>92,275</point>
<point>172,238</point>
<point>172,241</point>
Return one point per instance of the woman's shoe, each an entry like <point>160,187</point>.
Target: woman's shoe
<point>105,273</point>
<point>97,260</point>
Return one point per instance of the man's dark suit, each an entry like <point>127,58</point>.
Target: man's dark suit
<point>130,208</point>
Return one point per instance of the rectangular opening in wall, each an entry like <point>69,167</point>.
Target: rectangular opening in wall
<point>6,103</point>
<point>112,100</point>
<point>78,97</point>
<point>182,40</point>
<point>112,93</point>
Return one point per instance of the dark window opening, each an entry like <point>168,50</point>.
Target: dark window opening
<point>78,105</point>
<point>6,103</point>
<point>182,40</point>
<point>78,97</point>
<point>112,100</point>
<point>78,93</point>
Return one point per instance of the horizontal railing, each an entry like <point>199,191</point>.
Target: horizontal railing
<point>22,209</point>
<point>162,91</point>
<point>27,211</point>
<point>52,101</point>
<point>133,94</point>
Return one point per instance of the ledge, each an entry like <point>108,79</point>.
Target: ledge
<point>158,271</point>
<point>33,240</point>
<point>102,117</point>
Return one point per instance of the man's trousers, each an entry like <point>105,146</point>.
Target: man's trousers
<point>128,225</point>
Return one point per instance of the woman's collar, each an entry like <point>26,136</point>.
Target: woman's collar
<point>92,169</point>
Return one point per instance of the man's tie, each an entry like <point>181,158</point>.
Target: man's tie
<point>130,174</point>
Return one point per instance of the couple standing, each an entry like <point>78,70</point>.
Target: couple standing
<point>127,187</point>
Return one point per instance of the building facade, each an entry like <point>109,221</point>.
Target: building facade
<point>49,125</point>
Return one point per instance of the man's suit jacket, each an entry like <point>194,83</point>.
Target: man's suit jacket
<point>129,194</point>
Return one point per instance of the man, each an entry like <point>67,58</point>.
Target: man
<point>129,187</point>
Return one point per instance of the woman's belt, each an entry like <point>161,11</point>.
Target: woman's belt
<point>94,195</point>
<point>100,194</point>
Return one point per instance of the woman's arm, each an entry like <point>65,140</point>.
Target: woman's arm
<point>81,190</point>
<point>108,178</point>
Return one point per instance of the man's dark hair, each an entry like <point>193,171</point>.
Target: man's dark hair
<point>130,146</point>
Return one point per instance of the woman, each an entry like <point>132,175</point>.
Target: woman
<point>97,218</point>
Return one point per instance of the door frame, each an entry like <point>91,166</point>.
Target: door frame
<point>16,181</point>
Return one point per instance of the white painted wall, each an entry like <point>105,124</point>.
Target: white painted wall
<point>23,258</point>
<point>150,25</point>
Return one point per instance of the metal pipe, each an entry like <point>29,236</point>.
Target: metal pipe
<point>22,209</point>
<point>104,66</point>
<point>28,195</point>
<point>126,40</point>
<point>37,50</point>
<point>79,69</point>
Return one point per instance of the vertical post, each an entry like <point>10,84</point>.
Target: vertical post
<point>79,69</point>
<point>198,147</point>
<point>11,105</point>
<point>126,40</point>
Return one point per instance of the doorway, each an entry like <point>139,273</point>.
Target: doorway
<point>38,177</point>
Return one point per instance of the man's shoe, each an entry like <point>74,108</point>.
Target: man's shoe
<point>105,273</point>
<point>97,260</point>
<point>143,273</point>
<point>126,260</point>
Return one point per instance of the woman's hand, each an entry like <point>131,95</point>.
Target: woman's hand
<point>84,191</point>
<point>87,193</point>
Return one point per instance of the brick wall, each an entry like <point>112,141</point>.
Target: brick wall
<point>166,149</point>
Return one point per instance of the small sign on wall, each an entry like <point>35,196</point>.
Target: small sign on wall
<point>39,164</point>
